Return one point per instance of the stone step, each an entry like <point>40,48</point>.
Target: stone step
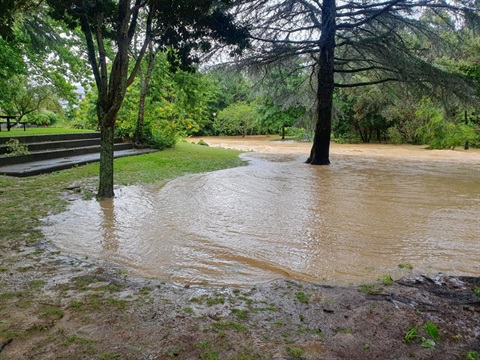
<point>57,154</point>
<point>51,137</point>
<point>61,144</point>
<point>47,166</point>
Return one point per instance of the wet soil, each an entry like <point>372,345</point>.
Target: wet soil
<point>57,306</point>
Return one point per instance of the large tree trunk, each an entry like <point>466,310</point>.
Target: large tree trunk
<point>320,153</point>
<point>107,109</point>
<point>105,186</point>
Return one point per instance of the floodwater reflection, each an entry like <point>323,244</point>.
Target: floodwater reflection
<point>279,218</point>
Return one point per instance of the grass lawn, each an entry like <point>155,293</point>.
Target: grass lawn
<point>26,200</point>
<point>39,131</point>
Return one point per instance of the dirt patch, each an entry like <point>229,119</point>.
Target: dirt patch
<point>56,306</point>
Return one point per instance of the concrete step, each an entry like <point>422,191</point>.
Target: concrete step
<point>52,137</point>
<point>57,154</point>
<point>47,166</point>
<point>61,144</point>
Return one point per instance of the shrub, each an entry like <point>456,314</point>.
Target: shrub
<point>125,129</point>
<point>439,133</point>
<point>236,119</point>
<point>395,136</point>
<point>14,148</point>
<point>42,118</point>
<point>348,139</point>
<point>161,134</point>
<point>301,134</point>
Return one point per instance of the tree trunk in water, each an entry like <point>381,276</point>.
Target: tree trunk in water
<point>105,186</point>
<point>320,153</point>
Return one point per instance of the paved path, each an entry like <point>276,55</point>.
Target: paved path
<point>45,166</point>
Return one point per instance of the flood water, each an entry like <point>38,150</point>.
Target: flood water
<point>350,222</point>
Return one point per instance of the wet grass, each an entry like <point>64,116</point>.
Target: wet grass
<point>39,131</point>
<point>26,200</point>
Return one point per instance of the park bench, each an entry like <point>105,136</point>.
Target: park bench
<point>10,124</point>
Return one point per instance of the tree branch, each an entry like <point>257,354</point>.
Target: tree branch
<point>369,18</point>
<point>146,43</point>
<point>91,49</point>
<point>367,83</point>
<point>370,68</point>
<point>102,57</point>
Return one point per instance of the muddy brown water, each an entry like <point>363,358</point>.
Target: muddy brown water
<point>374,208</point>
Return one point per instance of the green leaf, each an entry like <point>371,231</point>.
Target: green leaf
<point>411,334</point>
<point>432,330</point>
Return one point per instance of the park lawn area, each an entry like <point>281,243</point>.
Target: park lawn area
<point>26,200</point>
<point>40,131</point>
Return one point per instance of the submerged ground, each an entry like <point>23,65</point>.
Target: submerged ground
<point>59,306</point>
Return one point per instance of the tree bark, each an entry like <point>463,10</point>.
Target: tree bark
<point>105,186</point>
<point>320,153</point>
<point>138,137</point>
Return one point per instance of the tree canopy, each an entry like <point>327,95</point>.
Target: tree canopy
<point>109,26</point>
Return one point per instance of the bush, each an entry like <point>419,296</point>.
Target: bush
<point>395,136</point>
<point>301,134</point>
<point>14,148</point>
<point>125,129</point>
<point>161,134</point>
<point>236,119</point>
<point>348,139</point>
<point>439,133</point>
<point>42,118</point>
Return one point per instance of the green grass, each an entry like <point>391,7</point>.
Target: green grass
<point>295,352</point>
<point>26,200</point>
<point>229,325</point>
<point>39,131</point>
<point>302,297</point>
<point>370,289</point>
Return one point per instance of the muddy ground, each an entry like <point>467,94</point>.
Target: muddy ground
<point>57,306</point>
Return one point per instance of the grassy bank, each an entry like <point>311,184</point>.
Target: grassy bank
<point>25,200</point>
<point>40,131</point>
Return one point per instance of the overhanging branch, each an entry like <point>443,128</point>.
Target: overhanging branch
<point>370,68</point>
<point>366,83</point>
